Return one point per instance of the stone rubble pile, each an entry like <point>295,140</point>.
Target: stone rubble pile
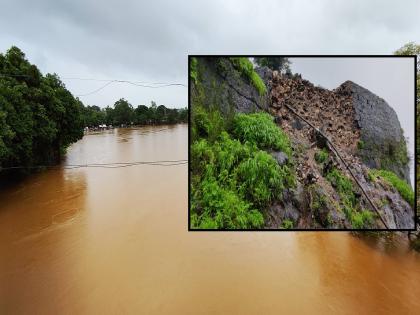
<point>329,111</point>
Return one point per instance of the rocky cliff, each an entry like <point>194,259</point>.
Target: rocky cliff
<point>220,84</point>
<point>362,126</point>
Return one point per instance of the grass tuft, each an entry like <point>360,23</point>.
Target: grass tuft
<point>400,185</point>
<point>321,156</point>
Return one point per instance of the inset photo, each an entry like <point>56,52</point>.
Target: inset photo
<point>302,142</point>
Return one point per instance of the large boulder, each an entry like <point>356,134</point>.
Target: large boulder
<point>382,140</point>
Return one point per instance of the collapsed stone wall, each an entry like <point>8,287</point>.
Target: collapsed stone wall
<point>358,121</point>
<point>332,113</point>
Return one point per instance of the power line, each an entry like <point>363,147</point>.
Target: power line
<point>151,85</point>
<point>101,165</point>
<point>108,80</point>
<point>162,85</point>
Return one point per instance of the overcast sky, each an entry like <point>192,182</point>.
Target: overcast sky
<point>150,40</point>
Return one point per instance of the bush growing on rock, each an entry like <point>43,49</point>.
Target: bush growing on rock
<point>400,185</point>
<point>247,69</point>
<point>321,156</point>
<point>260,130</point>
<point>232,179</point>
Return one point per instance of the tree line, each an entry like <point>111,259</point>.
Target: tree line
<point>123,113</point>
<point>40,118</point>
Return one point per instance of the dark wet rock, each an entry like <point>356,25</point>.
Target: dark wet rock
<point>298,196</point>
<point>280,157</point>
<point>279,212</point>
<point>397,212</point>
<point>324,211</point>
<point>222,85</point>
<point>297,124</point>
<point>265,73</point>
<point>380,131</point>
<point>277,120</point>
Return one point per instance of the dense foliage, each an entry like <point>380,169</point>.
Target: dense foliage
<point>39,117</point>
<point>260,130</point>
<point>233,180</point>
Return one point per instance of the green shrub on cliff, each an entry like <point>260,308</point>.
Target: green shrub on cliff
<point>402,186</point>
<point>261,178</point>
<point>260,130</point>
<point>216,207</point>
<point>247,70</point>
<point>321,156</point>
<point>206,123</point>
<point>193,70</point>
<point>232,179</point>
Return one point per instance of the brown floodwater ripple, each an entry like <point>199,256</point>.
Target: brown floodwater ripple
<point>115,241</point>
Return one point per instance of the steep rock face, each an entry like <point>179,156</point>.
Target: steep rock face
<point>367,134</point>
<point>380,131</point>
<point>221,85</point>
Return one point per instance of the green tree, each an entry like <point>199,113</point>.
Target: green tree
<point>183,115</point>
<point>153,112</point>
<point>412,49</point>
<point>274,63</point>
<point>141,114</point>
<point>161,114</point>
<point>123,112</point>
<point>39,117</point>
<point>109,115</point>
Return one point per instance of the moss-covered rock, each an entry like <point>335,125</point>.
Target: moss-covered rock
<point>222,83</point>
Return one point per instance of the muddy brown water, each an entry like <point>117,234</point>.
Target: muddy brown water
<point>115,241</point>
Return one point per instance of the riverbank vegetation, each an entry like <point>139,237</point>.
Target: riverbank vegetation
<point>123,113</point>
<point>40,118</point>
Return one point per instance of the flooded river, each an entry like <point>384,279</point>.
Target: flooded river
<point>115,241</point>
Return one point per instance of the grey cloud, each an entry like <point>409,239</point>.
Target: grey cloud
<point>150,40</point>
